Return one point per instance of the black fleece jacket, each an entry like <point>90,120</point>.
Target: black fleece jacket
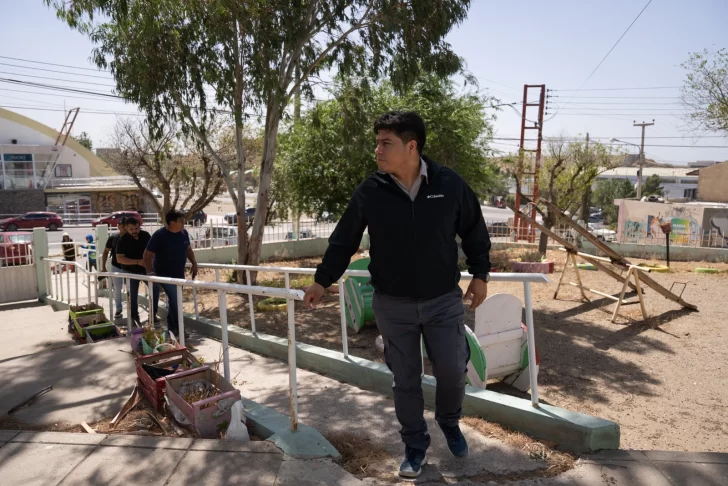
<point>413,248</point>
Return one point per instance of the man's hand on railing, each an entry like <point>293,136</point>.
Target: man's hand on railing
<point>313,295</point>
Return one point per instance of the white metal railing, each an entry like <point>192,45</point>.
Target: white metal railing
<point>110,181</point>
<point>16,250</point>
<point>54,270</point>
<point>525,278</point>
<point>220,234</point>
<point>640,236</point>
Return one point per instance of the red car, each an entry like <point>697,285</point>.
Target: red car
<point>32,220</point>
<point>113,219</point>
<point>15,249</point>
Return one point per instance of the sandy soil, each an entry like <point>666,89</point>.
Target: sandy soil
<point>662,379</point>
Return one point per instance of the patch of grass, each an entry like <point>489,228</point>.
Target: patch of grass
<point>358,453</point>
<point>296,281</point>
<point>559,462</point>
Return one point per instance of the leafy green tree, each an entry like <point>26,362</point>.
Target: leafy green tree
<point>189,60</point>
<point>652,186</point>
<point>606,191</point>
<point>568,169</point>
<point>705,93</point>
<point>332,146</point>
<point>85,140</point>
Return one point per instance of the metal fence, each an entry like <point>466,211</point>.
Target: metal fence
<point>643,236</point>
<point>58,282</point>
<point>16,250</point>
<point>217,234</point>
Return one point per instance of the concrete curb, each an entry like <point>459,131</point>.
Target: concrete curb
<point>306,443</point>
<point>573,431</point>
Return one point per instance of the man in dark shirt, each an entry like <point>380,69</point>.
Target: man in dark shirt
<point>110,247</point>
<point>166,256</point>
<point>130,253</point>
<point>414,208</point>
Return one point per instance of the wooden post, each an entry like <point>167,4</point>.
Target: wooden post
<point>638,283</point>
<point>561,278</point>
<point>578,278</point>
<point>621,294</point>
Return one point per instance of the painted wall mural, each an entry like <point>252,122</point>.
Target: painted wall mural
<point>692,225</point>
<point>107,202</point>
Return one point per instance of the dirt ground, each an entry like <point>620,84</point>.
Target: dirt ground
<point>662,379</point>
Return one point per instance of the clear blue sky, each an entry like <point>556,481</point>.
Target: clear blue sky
<point>505,43</point>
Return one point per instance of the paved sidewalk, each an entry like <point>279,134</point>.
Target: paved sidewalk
<point>55,458</point>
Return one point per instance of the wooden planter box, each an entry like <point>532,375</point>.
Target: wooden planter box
<point>153,388</point>
<point>206,415</point>
<point>83,322</point>
<point>74,315</point>
<point>532,267</point>
<point>102,332</point>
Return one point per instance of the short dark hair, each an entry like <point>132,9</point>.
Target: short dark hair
<point>127,220</point>
<point>408,125</point>
<point>174,215</point>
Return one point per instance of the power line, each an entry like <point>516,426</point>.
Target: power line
<point>71,97</point>
<point>55,71</point>
<point>51,64</point>
<point>93,112</point>
<point>621,89</point>
<point>56,79</point>
<point>58,88</point>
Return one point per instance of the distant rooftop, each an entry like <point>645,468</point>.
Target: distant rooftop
<point>648,171</point>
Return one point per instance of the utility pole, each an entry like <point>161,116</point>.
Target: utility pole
<point>586,197</point>
<point>642,156</point>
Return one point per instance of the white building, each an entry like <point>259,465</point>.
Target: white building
<point>675,180</point>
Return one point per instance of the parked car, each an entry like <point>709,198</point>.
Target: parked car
<point>32,220</point>
<point>499,229</point>
<point>219,236</point>
<point>114,218</point>
<point>232,218</point>
<point>304,233</point>
<point>197,219</point>
<point>325,217</point>
<point>603,233</point>
<point>15,249</point>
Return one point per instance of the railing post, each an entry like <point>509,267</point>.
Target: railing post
<point>40,251</point>
<point>68,284</point>
<point>250,303</point>
<point>180,316</point>
<point>75,272</point>
<point>342,308</point>
<point>194,298</point>
<point>292,385</point>
<point>287,278</point>
<point>128,304</point>
<point>217,275</point>
<point>88,287</point>
<point>150,301</point>
<point>110,287</point>
<point>222,303</point>
<point>96,289</point>
<point>60,283</point>
<point>533,373</point>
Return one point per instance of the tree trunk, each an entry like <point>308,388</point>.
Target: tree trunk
<point>266,172</point>
<point>544,238</point>
<point>240,206</point>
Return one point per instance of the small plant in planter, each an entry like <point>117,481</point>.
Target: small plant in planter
<point>532,262</point>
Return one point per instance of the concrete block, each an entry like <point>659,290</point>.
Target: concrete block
<point>618,474</point>
<point>252,447</point>
<point>275,427</point>
<point>142,442</point>
<point>694,474</point>
<point>59,438</point>
<point>314,472</point>
<point>207,467</point>
<point>706,457</point>
<point>7,435</point>
<point>124,466</point>
<point>30,464</point>
<point>573,431</point>
<point>617,455</point>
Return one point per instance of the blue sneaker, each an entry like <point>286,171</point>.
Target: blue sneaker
<point>414,459</point>
<point>455,441</point>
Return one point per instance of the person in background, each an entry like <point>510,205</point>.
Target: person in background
<point>110,247</point>
<point>166,256</point>
<point>130,254</point>
<point>69,251</point>
<point>90,248</point>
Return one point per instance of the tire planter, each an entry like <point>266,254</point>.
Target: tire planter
<point>532,267</point>
<point>654,268</point>
<point>706,270</point>
<point>272,304</point>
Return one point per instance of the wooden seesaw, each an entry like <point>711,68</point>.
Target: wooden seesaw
<point>634,278</point>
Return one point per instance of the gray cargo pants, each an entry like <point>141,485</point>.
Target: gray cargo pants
<point>402,322</point>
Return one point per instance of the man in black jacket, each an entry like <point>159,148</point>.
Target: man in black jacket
<point>414,208</point>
